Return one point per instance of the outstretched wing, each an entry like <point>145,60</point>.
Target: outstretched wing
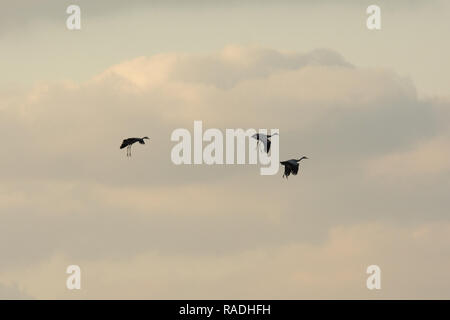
<point>127,142</point>
<point>124,143</point>
<point>267,146</point>
<point>287,169</point>
<point>265,141</point>
<point>295,169</point>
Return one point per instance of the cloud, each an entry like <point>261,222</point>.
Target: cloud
<point>13,292</point>
<point>412,260</point>
<point>69,195</point>
<point>223,69</point>
<point>425,159</point>
<point>21,13</point>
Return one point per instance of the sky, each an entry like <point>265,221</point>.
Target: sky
<point>369,108</point>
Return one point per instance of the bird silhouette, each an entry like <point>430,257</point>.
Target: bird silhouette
<point>291,166</point>
<point>264,139</point>
<point>129,142</point>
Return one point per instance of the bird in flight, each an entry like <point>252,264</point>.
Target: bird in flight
<point>129,142</point>
<point>264,139</point>
<point>291,166</point>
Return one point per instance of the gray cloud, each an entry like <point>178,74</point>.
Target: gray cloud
<point>13,292</point>
<point>67,188</point>
<point>23,14</point>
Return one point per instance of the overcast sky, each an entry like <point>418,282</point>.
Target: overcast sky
<point>369,108</point>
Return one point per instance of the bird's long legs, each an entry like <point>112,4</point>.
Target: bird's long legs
<point>129,151</point>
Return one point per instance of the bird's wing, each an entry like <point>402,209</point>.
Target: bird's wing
<point>287,170</point>
<point>124,143</point>
<point>267,146</point>
<point>295,169</point>
<point>128,142</point>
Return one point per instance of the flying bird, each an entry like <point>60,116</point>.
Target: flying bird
<point>264,139</point>
<point>129,142</point>
<point>291,166</point>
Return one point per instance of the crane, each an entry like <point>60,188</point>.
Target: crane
<point>291,166</point>
<point>129,142</point>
